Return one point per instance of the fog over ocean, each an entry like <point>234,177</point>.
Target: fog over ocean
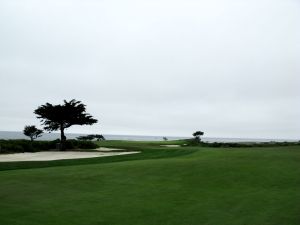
<point>53,136</point>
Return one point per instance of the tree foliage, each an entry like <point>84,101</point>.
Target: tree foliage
<point>61,117</point>
<point>91,137</point>
<point>32,132</point>
<point>55,117</point>
<point>197,135</point>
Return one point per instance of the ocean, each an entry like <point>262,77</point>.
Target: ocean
<point>53,136</point>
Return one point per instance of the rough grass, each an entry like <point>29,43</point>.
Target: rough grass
<point>161,186</point>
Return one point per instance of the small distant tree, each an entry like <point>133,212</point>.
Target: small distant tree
<point>91,137</point>
<point>32,132</point>
<point>84,138</point>
<point>99,137</point>
<point>165,138</point>
<point>61,117</point>
<point>198,135</point>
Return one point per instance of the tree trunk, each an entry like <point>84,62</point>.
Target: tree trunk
<point>62,139</point>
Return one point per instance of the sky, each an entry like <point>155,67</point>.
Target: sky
<point>230,68</point>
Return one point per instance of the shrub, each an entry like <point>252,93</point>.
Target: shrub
<point>71,144</point>
<point>17,146</point>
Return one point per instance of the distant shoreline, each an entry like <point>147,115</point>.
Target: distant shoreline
<point>53,136</point>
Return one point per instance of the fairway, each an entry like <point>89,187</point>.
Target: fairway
<point>160,186</point>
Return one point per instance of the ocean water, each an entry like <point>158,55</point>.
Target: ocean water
<point>53,136</point>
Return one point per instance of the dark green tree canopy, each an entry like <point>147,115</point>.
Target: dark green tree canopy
<point>197,135</point>
<point>55,117</point>
<point>60,117</point>
<point>91,137</point>
<point>32,132</point>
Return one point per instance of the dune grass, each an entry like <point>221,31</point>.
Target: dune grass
<point>160,186</point>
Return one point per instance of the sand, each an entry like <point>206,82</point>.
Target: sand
<point>56,155</point>
<point>171,146</point>
<point>104,149</point>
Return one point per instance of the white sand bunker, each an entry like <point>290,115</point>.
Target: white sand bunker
<point>104,149</point>
<point>55,155</point>
<point>171,146</point>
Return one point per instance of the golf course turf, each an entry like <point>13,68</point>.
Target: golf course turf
<point>159,186</point>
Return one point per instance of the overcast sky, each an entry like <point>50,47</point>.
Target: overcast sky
<point>230,68</point>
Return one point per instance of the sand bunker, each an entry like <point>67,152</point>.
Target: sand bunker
<point>171,146</point>
<point>55,155</point>
<point>104,149</point>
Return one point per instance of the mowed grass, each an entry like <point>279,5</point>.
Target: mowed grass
<point>181,186</point>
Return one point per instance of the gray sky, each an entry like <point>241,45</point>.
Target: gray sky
<point>159,67</point>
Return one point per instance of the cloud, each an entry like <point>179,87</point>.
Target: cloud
<point>229,68</point>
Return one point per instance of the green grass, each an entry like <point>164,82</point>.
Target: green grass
<point>149,150</point>
<point>160,186</point>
